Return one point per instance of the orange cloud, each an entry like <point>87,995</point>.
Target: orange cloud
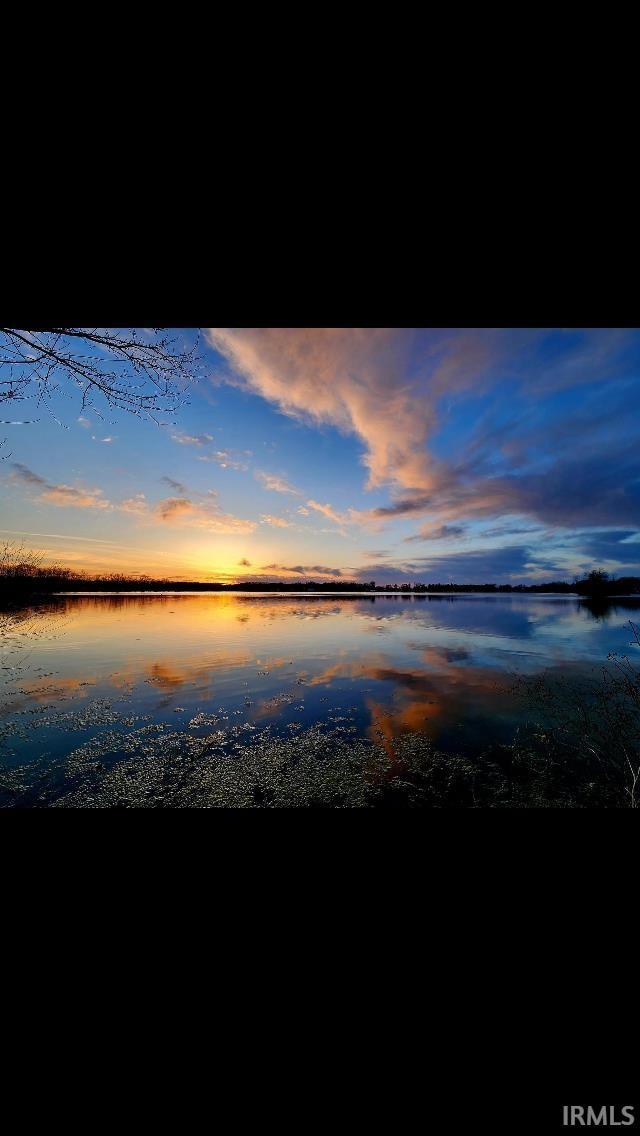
<point>182,511</point>
<point>76,498</point>
<point>277,522</point>
<point>64,495</point>
<point>327,511</point>
<point>421,698</point>
<point>346,519</point>
<point>174,510</point>
<point>353,378</point>
<point>136,505</point>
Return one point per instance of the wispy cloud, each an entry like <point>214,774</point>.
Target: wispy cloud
<point>345,519</point>
<point>277,522</point>
<point>303,569</point>
<point>64,495</point>
<point>179,510</point>
<point>182,511</point>
<point>227,459</point>
<point>23,473</point>
<point>276,483</point>
<point>137,505</point>
<point>77,498</point>
<point>244,563</point>
<point>340,519</point>
<point>352,378</point>
<point>192,439</point>
<point>393,388</point>
<point>65,536</point>
<point>177,486</point>
<point>594,485</point>
<point>437,532</point>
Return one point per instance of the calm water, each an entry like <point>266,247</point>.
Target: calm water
<point>86,668</point>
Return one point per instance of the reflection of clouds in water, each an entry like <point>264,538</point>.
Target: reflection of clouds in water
<point>509,617</point>
<point>427,703</point>
<point>278,607</point>
<point>387,724</point>
<point>273,706</point>
<point>438,661</point>
<point>348,668</point>
<point>420,698</point>
<point>462,614</point>
<point>44,689</point>
<point>124,679</point>
<point>377,627</point>
<point>22,635</point>
<point>169,677</point>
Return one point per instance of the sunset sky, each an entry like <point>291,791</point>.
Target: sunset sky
<point>388,454</point>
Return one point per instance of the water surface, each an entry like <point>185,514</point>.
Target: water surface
<point>225,667</point>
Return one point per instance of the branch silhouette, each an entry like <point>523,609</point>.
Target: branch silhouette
<point>142,371</point>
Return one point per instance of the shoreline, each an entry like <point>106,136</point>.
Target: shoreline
<point>422,593</point>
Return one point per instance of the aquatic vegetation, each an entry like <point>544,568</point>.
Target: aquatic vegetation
<point>433,727</point>
<point>317,767</point>
<point>589,727</point>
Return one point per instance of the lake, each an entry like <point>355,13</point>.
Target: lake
<point>230,699</point>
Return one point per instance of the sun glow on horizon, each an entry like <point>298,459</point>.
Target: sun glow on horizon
<point>395,454</point>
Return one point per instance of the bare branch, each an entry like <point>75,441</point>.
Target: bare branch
<point>147,375</point>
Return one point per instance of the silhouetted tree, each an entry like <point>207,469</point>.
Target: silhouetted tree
<point>135,369</point>
<point>16,560</point>
<point>596,582</point>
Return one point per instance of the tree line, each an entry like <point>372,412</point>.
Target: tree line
<point>22,570</point>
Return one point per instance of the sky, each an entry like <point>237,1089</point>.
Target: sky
<point>390,454</point>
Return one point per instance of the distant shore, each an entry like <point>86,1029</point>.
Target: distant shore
<point>65,582</point>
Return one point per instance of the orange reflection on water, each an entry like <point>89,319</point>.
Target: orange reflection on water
<point>422,698</point>
<point>432,672</point>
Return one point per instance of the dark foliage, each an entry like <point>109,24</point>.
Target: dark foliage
<point>30,578</point>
